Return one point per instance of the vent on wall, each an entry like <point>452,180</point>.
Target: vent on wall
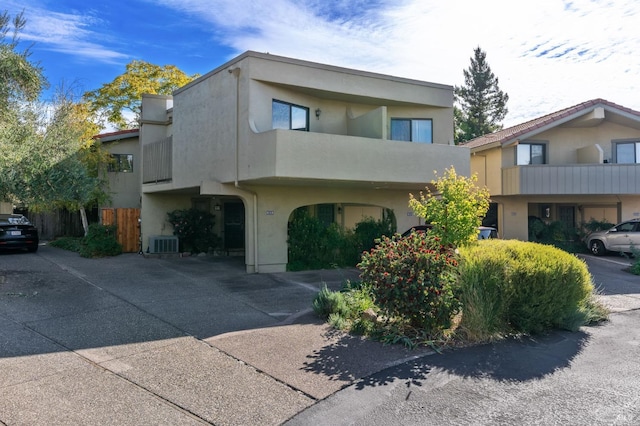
<point>163,244</point>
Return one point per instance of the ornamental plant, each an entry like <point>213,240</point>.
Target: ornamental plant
<point>100,242</point>
<point>524,287</point>
<point>194,229</point>
<point>455,208</point>
<point>412,279</point>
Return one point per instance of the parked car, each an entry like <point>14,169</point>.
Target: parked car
<point>16,232</point>
<point>484,232</point>
<point>623,237</point>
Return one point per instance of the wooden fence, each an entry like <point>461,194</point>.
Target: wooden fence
<point>58,223</point>
<point>128,233</point>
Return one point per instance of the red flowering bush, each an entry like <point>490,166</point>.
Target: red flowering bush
<point>413,279</point>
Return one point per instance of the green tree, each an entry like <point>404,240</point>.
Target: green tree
<point>111,101</point>
<point>48,158</point>
<point>46,155</point>
<point>455,209</point>
<point>20,79</point>
<point>480,104</point>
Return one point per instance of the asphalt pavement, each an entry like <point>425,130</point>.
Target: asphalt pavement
<point>195,340</point>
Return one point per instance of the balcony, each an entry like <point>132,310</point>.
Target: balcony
<point>577,179</point>
<point>286,156</point>
<point>157,161</point>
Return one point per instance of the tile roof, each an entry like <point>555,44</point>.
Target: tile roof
<point>118,133</point>
<point>544,122</point>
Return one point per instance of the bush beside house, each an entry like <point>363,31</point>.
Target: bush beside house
<point>420,294</point>
<point>443,286</point>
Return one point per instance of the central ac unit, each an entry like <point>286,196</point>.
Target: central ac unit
<point>163,244</point>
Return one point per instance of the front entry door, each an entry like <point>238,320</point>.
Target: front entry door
<point>568,216</point>
<point>233,226</point>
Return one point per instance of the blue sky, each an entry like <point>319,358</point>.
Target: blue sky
<point>548,54</point>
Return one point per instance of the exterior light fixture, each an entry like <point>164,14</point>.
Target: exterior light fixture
<point>318,113</point>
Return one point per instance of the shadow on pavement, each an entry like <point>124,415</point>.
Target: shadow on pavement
<point>512,360</point>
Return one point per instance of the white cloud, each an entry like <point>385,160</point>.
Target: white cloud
<point>547,55</point>
<point>67,33</point>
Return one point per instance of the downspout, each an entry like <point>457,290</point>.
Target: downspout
<point>236,72</point>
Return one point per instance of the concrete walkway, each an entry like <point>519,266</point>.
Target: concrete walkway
<point>131,340</point>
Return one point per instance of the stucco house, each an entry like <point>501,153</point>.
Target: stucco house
<point>573,165</point>
<point>263,135</point>
<point>123,173</point>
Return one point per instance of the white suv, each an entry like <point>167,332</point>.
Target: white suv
<point>624,237</point>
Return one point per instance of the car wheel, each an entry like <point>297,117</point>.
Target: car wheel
<point>596,247</point>
<point>33,249</point>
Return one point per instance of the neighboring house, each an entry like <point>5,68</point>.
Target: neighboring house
<point>573,165</point>
<point>263,135</point>
<point>123,173</point>
<point>124,180</point>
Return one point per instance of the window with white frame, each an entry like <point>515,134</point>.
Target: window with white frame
<point>289,116</point>
<point>627,152</point>
<point>412,130</point>
<point>531,153</point>
<point>121,163</point>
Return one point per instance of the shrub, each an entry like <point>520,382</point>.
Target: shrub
<point>369,230</point>
<point>455,209</point>
<point>344,309</point>
<point>635,266</point>
<point>558,234</point>
<point>594,225</point>
<point>313,245</point>
<point>509,285</point>
<point>484,294</point>
<point>67,243</point>
<point>100,241</point>
<point>412,279</point>
<point>194,229</point>
<point>328,302</point>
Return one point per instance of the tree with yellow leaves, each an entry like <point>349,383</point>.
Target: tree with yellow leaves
<point>455,208</point>
<point>111,102</point>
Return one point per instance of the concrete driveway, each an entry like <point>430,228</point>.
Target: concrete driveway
<point>130,340</point>
<point>584,378</point>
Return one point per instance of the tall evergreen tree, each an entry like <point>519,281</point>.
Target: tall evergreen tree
<point>480,104</point>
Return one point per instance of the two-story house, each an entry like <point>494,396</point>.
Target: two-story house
<point>263,135</point>
<point>123,172</point>
<point>573,165</point>
<point>123,176</point>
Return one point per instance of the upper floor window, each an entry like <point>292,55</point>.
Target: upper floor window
<point>627,152</point>
<point>289,116</point>
<point>531,153</point>
<point>121,163</point>
<point>412,130</point>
